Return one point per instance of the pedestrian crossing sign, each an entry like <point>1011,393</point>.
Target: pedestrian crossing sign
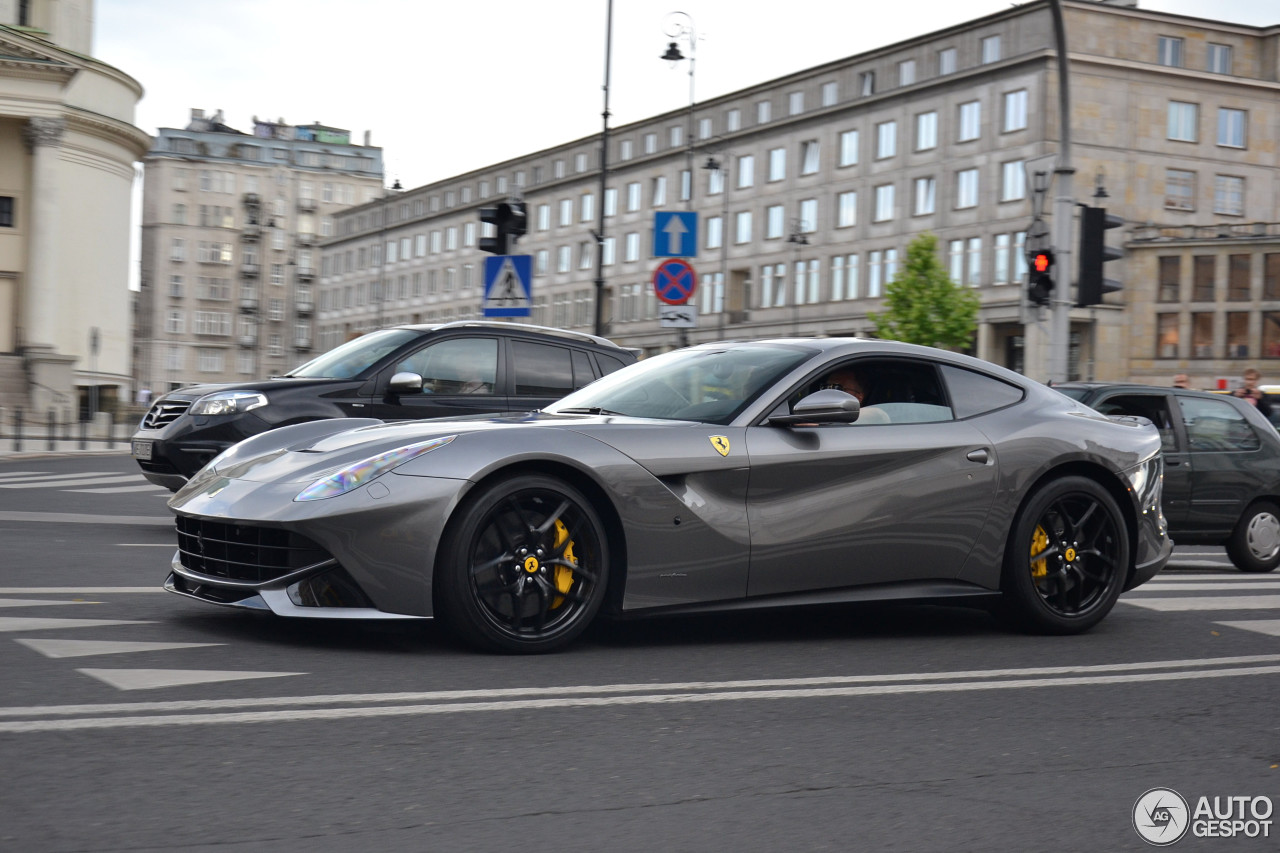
<point>508,286</point>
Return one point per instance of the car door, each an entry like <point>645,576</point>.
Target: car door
<point>542,373</point>
<point>1227,464</point>
<point>460,376</point>
<point>839,505</point>
<point>1157,405</point>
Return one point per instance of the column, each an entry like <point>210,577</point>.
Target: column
<point>40,295</point>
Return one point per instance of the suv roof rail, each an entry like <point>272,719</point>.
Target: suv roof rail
<point>548,330</point>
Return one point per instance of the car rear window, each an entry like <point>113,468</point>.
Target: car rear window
<point>542,370</point>
<point>974,393</point>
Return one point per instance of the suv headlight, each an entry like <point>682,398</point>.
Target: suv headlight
<point>228,403</point>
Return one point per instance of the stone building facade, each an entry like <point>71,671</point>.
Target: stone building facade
<point>809,188</point>
<point>67,149</point>
<point>230,227</point>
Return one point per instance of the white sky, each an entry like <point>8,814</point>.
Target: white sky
<point>447,86</point>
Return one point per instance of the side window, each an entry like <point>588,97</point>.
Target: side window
<point>582,372</point>
<point>457,366</point>
<point>1215,425</point>
<point>541,370</point>
<point>891,391</point>
<point>608,364</point>
<point>974,393</point>
<point>1153,407</point>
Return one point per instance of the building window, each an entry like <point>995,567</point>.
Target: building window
<point>715,181</point>
<point>847,209</point>
<point>884,203</point>
<point>809,157</point>
<point>658,188</point>
<point>926,131</point>
<point>795,103</point>
<point>566,212</point>
<point>1202,335</point>
<point>955,258</point>
<point>975,261</point>
<point>1270,334</point>
<point>650,143</point>
<point>586,207</point>
<point>544,217</point>
<point>715,232</point>
<point>1015,110</point>
<point>966,188</point>
<point>1219,58</point>
<point>774,222</point>
<point>742,227</point>
<point>1231,127</point>
<point>970,126</point>
<point>733,120</point>
<point>746,171</point>
<point>1179,189</point>
<point>830,94</point>
<point>625,150</point>
<point>875,273</point>
<point>886,139</point>
<point>947,61</point>
<point>1166,336</point>
<point>844,277</point>
<point>1202,282</point>
<point>1169,270</point>
<point>1228,195</point>
<point>1169,51</point>
<point>849,148</point>
<point>925,196</point>
<point>633,196</point>
<point>808,215</point>
<point>1271,276</point>
<point>704,128</point>
<point>990,49</point>
<point>1000,273</point>
<point>1183,118</point>
<point>1238,275</point>
<point>773,285</point>
<point>564,255</point>
<point>675,136</point>
<point>764,112</point>
<point>906,72</point>
<point>777,164</point>
<point>867,83</point>
<point>1237,334</point>
<point>580,162</point>
<point>611,201</point>
<point>1013,185</point>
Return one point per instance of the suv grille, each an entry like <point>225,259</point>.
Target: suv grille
<point>164,412</point>
<point>243,552</point>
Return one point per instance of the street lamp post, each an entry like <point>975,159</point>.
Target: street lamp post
<point>797,239</point>
<point>680,25</point>
<point>604,176</point>
<point>722,168</point>
<point>381,283</point>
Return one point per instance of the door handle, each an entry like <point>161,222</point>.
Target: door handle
<point>980,456</point>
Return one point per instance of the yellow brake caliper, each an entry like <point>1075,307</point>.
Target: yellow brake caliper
<point>564,574</point>
<point>1039,544</point>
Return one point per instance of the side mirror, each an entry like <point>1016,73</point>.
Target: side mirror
<point>405,383</point>
<point>821,407</point>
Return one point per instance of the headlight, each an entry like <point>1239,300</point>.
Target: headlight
<point>356,475</point>
<point>228,403</point>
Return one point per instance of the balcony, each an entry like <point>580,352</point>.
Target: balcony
<point>250,270</point>
<point>251,232</point>
<point>248,305</point>
<point>307,205</point>
<point>305,309</point>
<point>306,238</point>
<point>305,273</point>
<point>248,341</point>
<point>251,199</point>
<point>302,345</point>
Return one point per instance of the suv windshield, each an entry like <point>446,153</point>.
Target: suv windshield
<point>355,356</point>
<point>709,385</point>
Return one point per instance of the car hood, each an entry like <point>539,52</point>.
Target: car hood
<point>307,452</point>
<point>191,393</point>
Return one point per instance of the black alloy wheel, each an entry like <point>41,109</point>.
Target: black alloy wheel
<point>1067,558</point>
<point>524,566</point>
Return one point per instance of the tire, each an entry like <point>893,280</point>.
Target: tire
<point>1067,558</point>
<point>1254,545</point>
<point>523,566</point>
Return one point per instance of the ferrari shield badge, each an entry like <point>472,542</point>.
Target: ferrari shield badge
<point>721,444</point>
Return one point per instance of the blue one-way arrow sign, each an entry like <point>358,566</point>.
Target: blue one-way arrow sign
<point>675,234</point>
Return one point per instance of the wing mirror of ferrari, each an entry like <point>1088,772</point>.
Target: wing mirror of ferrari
<point>821,407</point>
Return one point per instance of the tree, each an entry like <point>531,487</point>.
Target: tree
<point>924,305</point>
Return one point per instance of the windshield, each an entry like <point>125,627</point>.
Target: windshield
<point>711,384</point>
<point>355,356</point>
<point>1076,394</point>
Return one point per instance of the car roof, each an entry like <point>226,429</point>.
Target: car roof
<point>526,329</point>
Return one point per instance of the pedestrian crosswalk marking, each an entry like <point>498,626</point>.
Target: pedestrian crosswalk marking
<point>50,483</point>
<point>85,648</point>
<point>1156,586</point>
<point>1213,602</point>
<point>38,602</point>
<point>150,679</point>
<point>1270,627</point>
<point>150,487</point>
<point>13,624</point>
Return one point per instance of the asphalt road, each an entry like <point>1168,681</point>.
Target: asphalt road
<point>135,720</point>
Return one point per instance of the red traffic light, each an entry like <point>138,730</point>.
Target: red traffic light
<point>1041,261</point>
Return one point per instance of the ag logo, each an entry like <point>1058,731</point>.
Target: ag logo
<point>721,444</point>
<point>1161,816</point>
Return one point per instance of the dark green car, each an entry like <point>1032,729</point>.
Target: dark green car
<point>1221,466</point>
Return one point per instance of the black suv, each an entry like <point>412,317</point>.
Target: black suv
<point>398,373</point>
<point>1221,466</point>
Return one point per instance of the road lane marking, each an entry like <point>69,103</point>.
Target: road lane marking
<point>43,476</point>
<point>36,602</point>
<point>1213,602</point>
<point>1270,627</point>
<point>85,518</point>
<point>27,726</point>
<point>118,490</point>
<point>48,482</point>
<point>150,679</point>
<point>77,590</point>
<point>1238,586</point>
<point>88,648</point>
<point>13,475</point>
<point>11,624</point>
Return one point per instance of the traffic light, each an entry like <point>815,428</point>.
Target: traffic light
<point>510,222</point>
<point>1040,276</point>
<point>1094,252</point>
